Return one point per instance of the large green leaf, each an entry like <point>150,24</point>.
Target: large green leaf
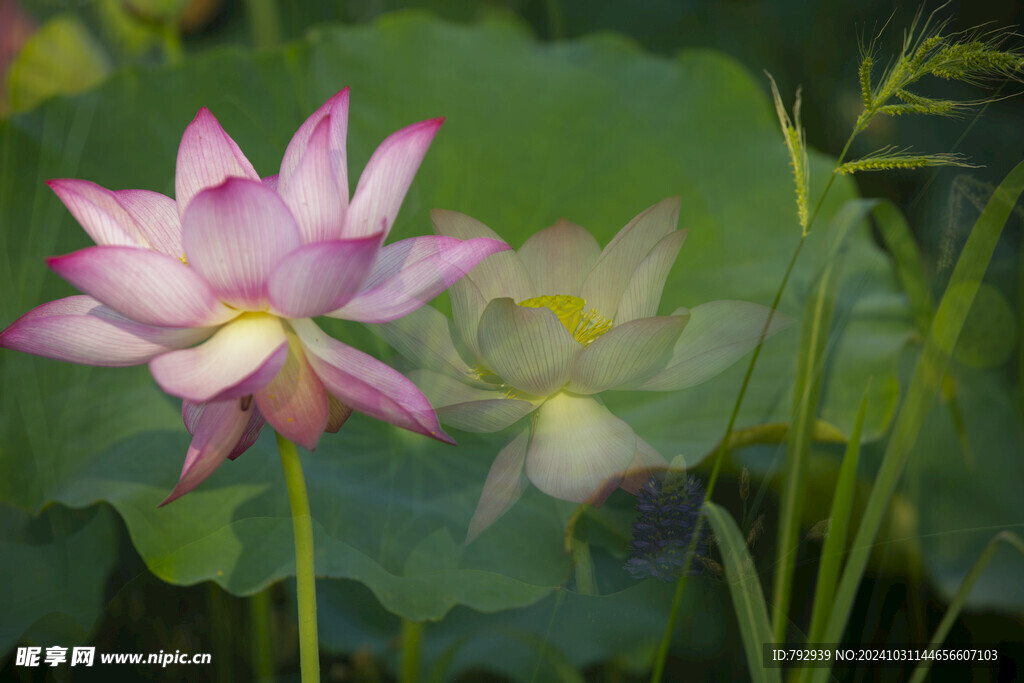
<point>55,571</point>
<point>594,131</point>
<point>624,626</point>
<point>956,527</point>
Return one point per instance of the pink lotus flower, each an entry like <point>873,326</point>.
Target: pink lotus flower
<point>216,290</point>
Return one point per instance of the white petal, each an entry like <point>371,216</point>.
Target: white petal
<point>468,305</point>
<point>627,353</point>
<point>645,460</point>
<point>528,348</point>
<point>559,257</point>
<point>505,484</point>
<point>468,408</point>
<point>719,334</point>
<point>642,295</point>
<point>445,390</point>
<point>485,417</point>
<point>424,337</point>
<point>608,278</point>
<point>577,444</point>
<point>635,475</point>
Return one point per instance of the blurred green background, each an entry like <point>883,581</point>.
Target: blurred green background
<point>588,110</point>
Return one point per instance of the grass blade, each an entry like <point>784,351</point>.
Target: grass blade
<point>814,335</point>
<point>901,246</point>
<point>931,368</point>
<point>899,241</point>
<point>745,588</point>
<point>834,550</point>
<point>953,611</point>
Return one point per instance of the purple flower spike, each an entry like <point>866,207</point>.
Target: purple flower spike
<point>668,511</point>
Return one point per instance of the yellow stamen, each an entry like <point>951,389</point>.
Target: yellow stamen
<point>584,325</point>
<point>183,258</point>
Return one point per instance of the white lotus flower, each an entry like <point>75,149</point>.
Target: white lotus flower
<point>542,331</point>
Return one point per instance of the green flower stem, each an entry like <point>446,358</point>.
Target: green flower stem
<point>412,638</point>
<point>305,568</point>
<point>261,636</point>
<point>264,23</point>
<point>222,626</point>
<point>677,600</point>
<point>583,564</point>
<point>795,474</point>
<point>170,42</point>
<point>953,611</point>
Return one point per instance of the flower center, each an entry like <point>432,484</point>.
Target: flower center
<point>584,325</point>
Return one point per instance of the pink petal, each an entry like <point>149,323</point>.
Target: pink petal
<point>270,182</point>
<point>135,218</point>
<point>318,278</point>
<point>240,358</point>
<point>387,177</point>
<point>498,276</point>
<point>504,485</point>
<point>336,110</point>
<point>314,175</point>
<point>311,191</point>
<point>295,402</point>
<point>192,412</point>
<point>97,211</point>
<point>207,155</point>
<point>235,235</point>
<point>217,430</point>
<point>410,273</point>
<point>156,216</point>
<point>81,330</point>
<point>367,385</point>
<point>144,285</point>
